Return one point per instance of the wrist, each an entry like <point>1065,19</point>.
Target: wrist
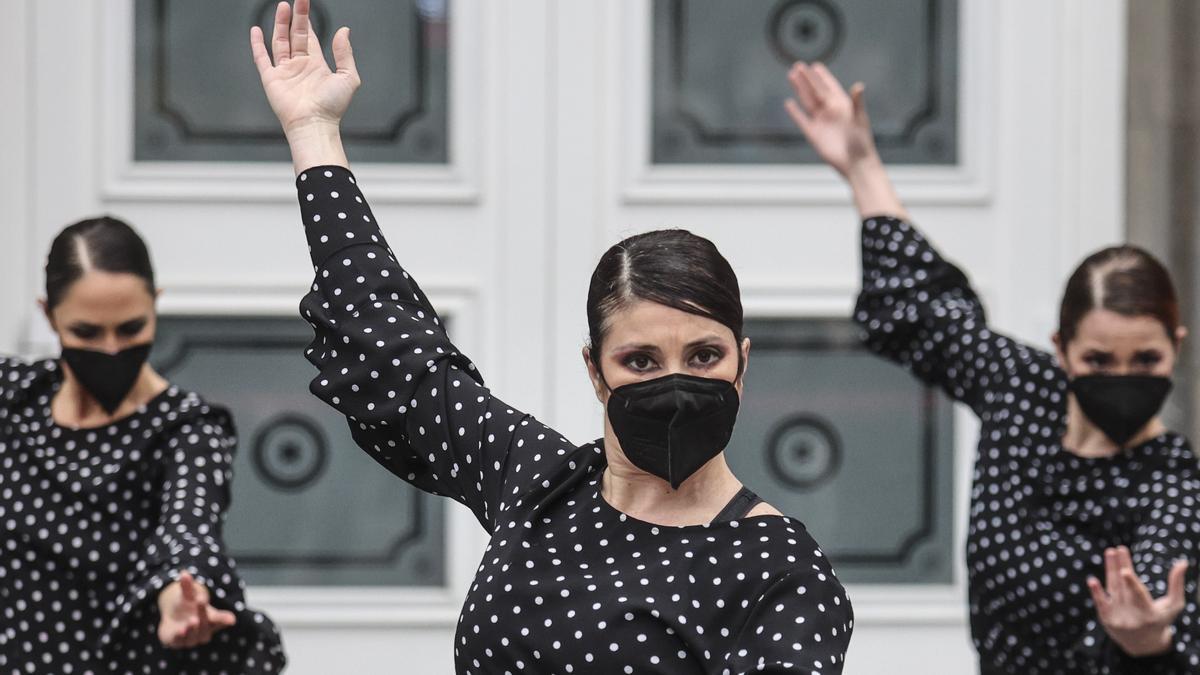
<point>312,131</point>
<point>865,171</point>
<point>315,143</point>
<point>1156,644</point>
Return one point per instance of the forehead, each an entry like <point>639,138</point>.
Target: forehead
<point>1104,329</point>
<point>645,322</point>
<point>105,297</point>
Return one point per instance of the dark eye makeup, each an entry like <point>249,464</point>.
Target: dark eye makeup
<point>1148,357</point>
<point>90,331</point>
<point>706,357</point>
<point>131,328</point>
<point>85,331</point>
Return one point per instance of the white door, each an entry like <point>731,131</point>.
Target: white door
<point>553,150</point>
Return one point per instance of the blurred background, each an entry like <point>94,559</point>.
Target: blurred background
<point>505,145</point>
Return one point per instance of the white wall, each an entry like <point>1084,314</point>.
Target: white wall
<point>549,107</point>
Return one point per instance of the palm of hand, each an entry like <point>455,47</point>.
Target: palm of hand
<point>303,89</point>
<point>1136,621</point>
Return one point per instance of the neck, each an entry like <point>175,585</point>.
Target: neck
<point>646,497</point>
<point>74,407</point>
<point>1085,439</point>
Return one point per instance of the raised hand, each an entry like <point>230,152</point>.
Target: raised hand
<point>186,618</point>
<point>308,98</point>
<point>834,122</point>
<point>299,85</point>
<point>836,125</point>
<point>1138,623</point>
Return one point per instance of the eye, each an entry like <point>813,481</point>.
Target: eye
<point>1148,359</point>
<point>84,332</point>
<point>1098,360</point>
<point>639,362</point>
<point>706,357</point>
<point>131,328</point>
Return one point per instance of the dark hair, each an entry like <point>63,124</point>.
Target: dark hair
<point>106,244</point>
<point>671,267</point>
<point>1123,279</point>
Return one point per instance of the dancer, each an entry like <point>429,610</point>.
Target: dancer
<point>639,552</point>
<point>1083,507</point>
<point>113,489</point>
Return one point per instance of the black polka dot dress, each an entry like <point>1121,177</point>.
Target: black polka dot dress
<point>95,522</point>
<point>567,583</point>
<point>1041,516</point>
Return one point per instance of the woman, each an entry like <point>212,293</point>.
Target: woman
<point>113,489</point>
<point>1083,508</point>
<point>638,552</point>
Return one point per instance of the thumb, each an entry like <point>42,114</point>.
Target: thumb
<point>858,93</point>
<point>221,617</point>
<point>343,53</point>
<point>1175,585</point>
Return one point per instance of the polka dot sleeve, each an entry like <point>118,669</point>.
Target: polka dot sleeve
<point>16,378</point>
<point>920,311</point>
<point>196,477</point>
<point>413,402</point>
<point>800,624</point>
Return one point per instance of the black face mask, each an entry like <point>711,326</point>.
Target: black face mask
<point>107,377</point>
<point>671,426</point>
<point>1121,405</point>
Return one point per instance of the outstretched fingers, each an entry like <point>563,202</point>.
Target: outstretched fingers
<point>187,587</point>
<point>1135,591</point>
<point>1099,596</point>
<point>281,47</point>
<point>802,86</point>
<point>300,32</point>
<point>1112,574</point>
<point>824,81</point>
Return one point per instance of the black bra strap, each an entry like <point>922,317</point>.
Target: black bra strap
<point>739,506</point>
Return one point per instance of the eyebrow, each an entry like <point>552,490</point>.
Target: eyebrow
<point>129,323</point>
<point>704,341</point>
<point>76,325</point>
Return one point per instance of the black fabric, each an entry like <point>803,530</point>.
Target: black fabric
<point>109,517</point>
<point>1040,516</point>
<point>1121,405</point>
<point>107,377</point>
<point>738,506</point>
<point>671,426</point>
<point>567,583</point>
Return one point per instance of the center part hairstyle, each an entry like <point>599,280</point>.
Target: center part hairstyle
<point>1124,279</point>
<point>105,244</point>
<point>671,267</point>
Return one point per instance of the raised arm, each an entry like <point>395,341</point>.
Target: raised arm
<point>413,402</point>
<point>916,308</point>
